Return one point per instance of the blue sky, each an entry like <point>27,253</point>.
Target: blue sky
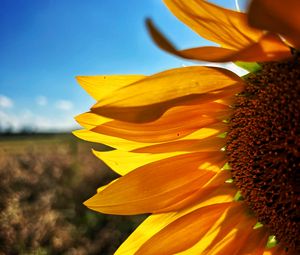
<point>45,44</point>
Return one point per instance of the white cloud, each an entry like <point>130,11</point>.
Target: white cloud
<point>36,122</point>
<point>41,100</point>
<point>8,121</point>
<point>64,105</point>
<point>5,102</point>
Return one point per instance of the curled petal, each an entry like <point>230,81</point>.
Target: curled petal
<point>269,47</point>
<point>147,99</point>
<point>173,125</point>
<point>225,27</point>
<point>277,16</point>
<point>129,145</point>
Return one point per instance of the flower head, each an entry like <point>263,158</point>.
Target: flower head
<point>210,155</point>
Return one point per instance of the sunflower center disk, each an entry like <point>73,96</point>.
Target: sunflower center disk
<point>263,148</point>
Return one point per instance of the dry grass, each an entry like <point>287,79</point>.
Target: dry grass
<point>43,182</point>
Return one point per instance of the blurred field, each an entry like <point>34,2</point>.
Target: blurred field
<point>43,181</point>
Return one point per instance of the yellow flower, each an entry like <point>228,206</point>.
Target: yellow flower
<point>207,192</point>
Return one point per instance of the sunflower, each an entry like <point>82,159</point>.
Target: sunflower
<point>211,156</point>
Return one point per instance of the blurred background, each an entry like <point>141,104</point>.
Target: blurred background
<point>45,172</point>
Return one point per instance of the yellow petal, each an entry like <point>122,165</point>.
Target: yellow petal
<point>268,47</point>
<point>145,231</point>
<point>215,191</point>
<point>225,27</point>
<point>222,234</point>
<point>233,233</point>
<point>123,162</point>
<point>183,232</point>
<point>173,124</point>
<point>153,224</point>
<point>149,98</point>
<point>171,84</point>
<point>256,242</point>
<point>127,145</point>
<point>90,120</point>
<point>232,242</point>
<point>176,123</point>
<point>156,185</point>
<point>99,87</point>
<point>210,143</point>
<point>111,141</point>
<point>277,16</point>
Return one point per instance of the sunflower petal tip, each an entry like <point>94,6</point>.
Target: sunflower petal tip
<point>90,203</point>
<point>74,132</point>
<point>85,203</point>
<point>78,117</point>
